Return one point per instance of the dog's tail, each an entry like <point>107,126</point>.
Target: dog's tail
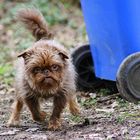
<point>35,23</point>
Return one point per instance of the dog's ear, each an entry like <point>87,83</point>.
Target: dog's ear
<point>26,54</point>
<point>23,54</point>
<point>63,55</point>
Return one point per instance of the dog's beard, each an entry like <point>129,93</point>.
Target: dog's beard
<point>41,83</point>
<point>44,84</point>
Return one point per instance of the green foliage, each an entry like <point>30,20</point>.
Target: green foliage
<point>4,69</point>
<point>76,119</point>
<point>120,119</point>
<point>89,102</point>
<point>122,103</point>
<point>6,73</point>
<point>128,115</point>
<point>53,12</point>
<point>104,91</point>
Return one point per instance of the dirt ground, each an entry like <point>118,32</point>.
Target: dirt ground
<point>109,117</point>
<point>104,116</point>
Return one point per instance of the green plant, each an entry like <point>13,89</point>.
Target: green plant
<point>104,91</point>
<point>89,102</point>
<point>76,119</point>
<point>120,119</point>
<point>6,73</point>
<point>122,103</point>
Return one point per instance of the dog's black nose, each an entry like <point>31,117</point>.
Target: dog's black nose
<point>46,71</point>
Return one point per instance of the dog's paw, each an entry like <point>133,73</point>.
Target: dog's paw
<point>12,123</point>
<point>54,125</point>
<point>39,117</point>
<point>43,115</point>
<point>75,111</point>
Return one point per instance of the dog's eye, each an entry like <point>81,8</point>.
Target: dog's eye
<point>55,67</point>
<point>37,69</point>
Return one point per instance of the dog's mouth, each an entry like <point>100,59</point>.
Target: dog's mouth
<point>49,81</point>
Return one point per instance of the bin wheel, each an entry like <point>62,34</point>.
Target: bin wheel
<point>84,66</point>
<point>128,78</point>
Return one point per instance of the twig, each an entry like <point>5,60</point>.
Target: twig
<point>103,99</point>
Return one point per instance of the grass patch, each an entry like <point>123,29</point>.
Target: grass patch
<point>76,119</point>
<point>122,103</point>
<point>104,91</point>
<point>6,73</point>
<point>128,115</point>
<point>121,119</point>
<point>89,102</point>
<point>52,11</point>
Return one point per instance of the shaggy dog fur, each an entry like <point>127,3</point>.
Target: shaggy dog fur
<point>44,70</point>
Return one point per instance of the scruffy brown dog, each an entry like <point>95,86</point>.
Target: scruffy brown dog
<point>44,70</point>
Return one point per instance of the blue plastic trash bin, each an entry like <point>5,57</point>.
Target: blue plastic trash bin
<point>113,28</point>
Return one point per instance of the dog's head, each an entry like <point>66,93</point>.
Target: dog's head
<point>45,65</point>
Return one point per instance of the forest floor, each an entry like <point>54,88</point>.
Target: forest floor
<point>104,116</point>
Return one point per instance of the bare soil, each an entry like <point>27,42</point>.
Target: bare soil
<point>110,118</point>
